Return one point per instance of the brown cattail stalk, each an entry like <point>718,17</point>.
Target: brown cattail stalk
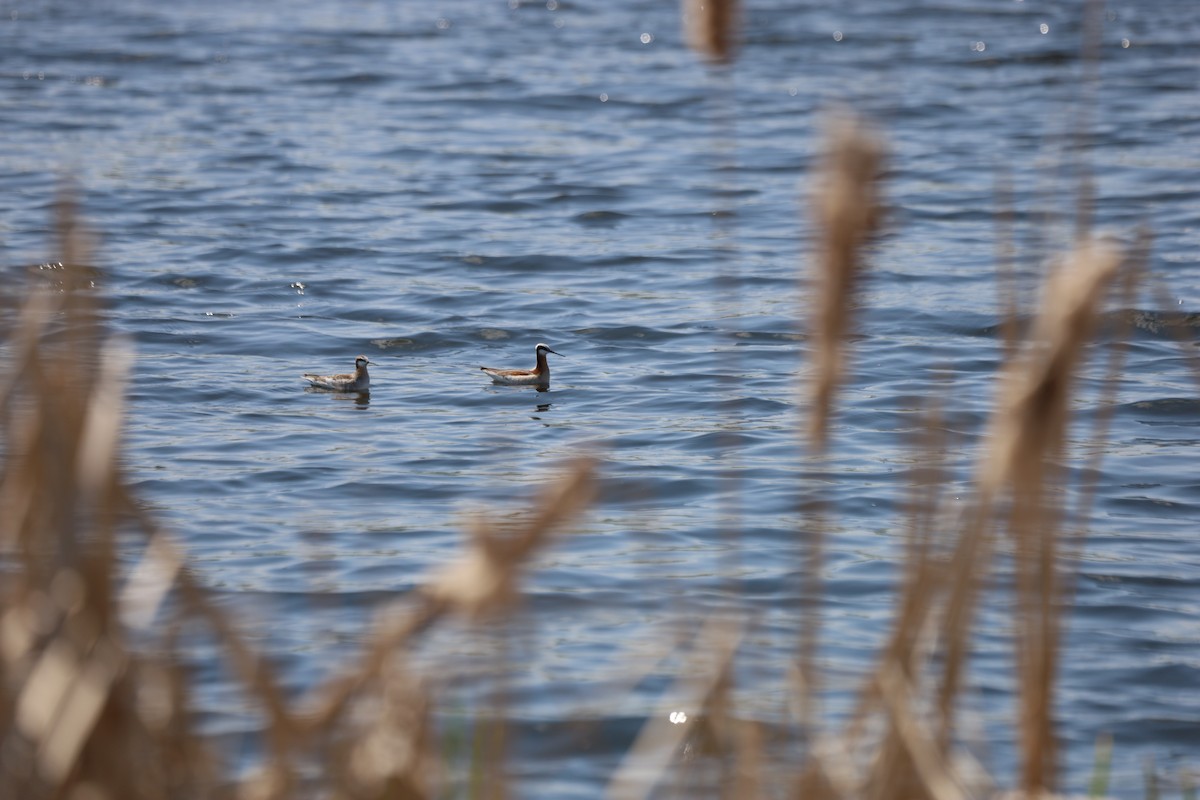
<point>710,28</point>
<point>846,209</point>
<point>1026,440</point>
<point>85,714</point>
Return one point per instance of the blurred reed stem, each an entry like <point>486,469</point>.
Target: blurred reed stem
<point>846,210</point>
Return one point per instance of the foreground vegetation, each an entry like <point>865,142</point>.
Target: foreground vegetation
<point>96,700</point>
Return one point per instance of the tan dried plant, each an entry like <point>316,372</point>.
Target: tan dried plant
<point>710,28</point>
<point>93,702</point>
<point>78,707</point>
<point>1018,487</point>
<point>846,211</point>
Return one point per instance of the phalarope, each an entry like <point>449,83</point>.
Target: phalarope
<point>538,376</point>
<point>360,381</point>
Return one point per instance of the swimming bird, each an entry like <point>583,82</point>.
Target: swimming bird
<point>538,376</point>
<point>360,381</point>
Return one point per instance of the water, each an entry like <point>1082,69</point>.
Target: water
<point>441,185</point>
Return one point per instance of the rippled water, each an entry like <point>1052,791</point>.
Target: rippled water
<point>279,187</point>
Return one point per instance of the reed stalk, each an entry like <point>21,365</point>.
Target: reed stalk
<point>710,28</point>
<point>846,209</point>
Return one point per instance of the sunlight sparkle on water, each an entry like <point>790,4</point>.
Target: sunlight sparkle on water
<point>646,38</point>
<point>837,36</point>
<point>678,717</point>
<point>1044,28</point>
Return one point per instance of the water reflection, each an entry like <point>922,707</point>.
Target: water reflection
<point>540,408</point>
<point>361,399</point>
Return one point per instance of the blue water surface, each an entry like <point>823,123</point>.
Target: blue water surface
<point>278,187</point>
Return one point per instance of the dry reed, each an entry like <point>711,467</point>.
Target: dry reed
<point>710,28</point>
<point>84,713</point>
<point>1020,466</point>
<point>846,209</point>
<point>87,710</point>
